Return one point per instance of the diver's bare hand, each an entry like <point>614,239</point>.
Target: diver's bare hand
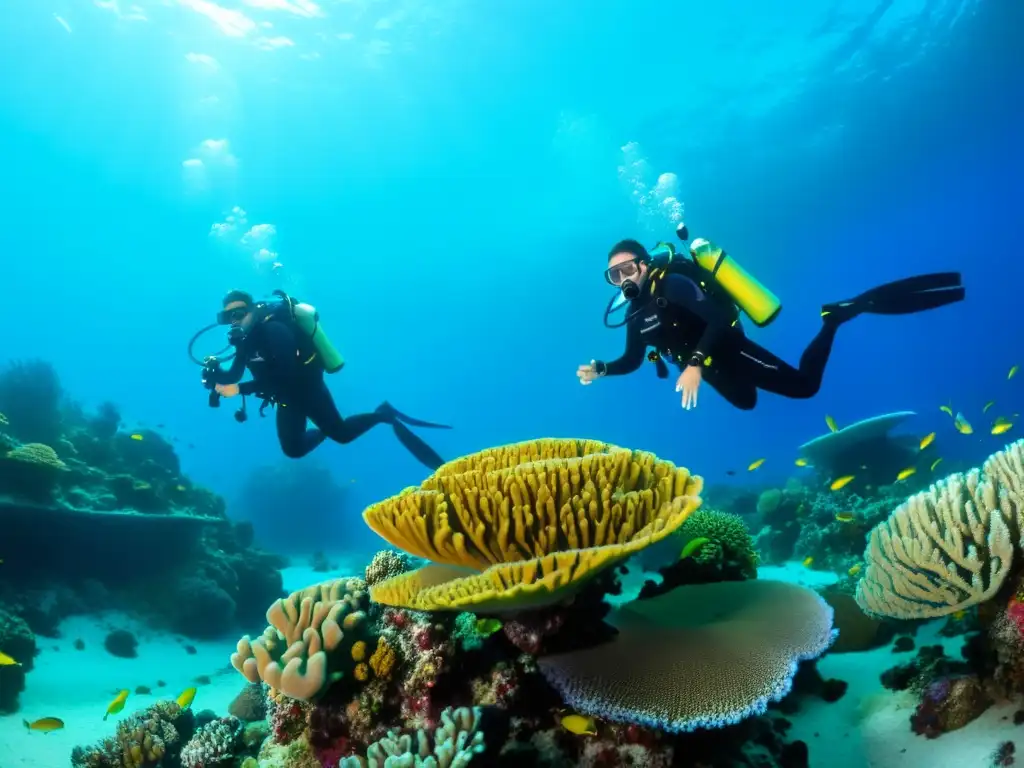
<point>688,383</point>
<point>226,390</point>
<point>587,373</point>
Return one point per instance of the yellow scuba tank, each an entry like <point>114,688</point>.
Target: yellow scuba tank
<point>308,320</point>
<point>756,301</point>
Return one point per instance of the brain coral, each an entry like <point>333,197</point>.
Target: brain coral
<point>528,524</point>
<point>698,657</point>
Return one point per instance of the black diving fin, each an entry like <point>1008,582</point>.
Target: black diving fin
<point>417,447</point>
<point>901,297</point>
<point>390,410</point>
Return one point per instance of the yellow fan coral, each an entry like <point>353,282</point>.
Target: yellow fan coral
<point>526,525</point>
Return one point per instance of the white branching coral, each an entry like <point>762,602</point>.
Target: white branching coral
<point>452,745</point>
<point>214,744</point>
<point>950,547</point>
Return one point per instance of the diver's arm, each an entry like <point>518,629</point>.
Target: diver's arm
<point>686,294</point>
<point>631,359</point>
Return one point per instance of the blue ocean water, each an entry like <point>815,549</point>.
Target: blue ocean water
<point>442,180</point>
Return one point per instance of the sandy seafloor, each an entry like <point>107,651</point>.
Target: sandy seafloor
<point>867,728</point>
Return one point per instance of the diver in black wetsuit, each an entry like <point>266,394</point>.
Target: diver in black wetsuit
<point>689,323</point>
<point>288,371</point>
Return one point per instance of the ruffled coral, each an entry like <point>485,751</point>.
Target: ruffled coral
<point>311,632</point>
<point>527,525</point>
<point>453,744</point>
<point>697,657</point>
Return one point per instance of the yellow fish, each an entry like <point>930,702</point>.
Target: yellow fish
<point>844,517</point>
<point>801,462</point>
<point>947,409</point>
<point>185,700</point>
<point>1013,372</point>
<point>927,440</point>
<point>831,424</point>
<point>580,725</point>
<point>905,473</point>
<point>808,562</point>
<point>959,614</point>
<point>755,464</point>
<point>117,704</point>
<point>1001,425</point>
<point>841,482</point>
<point>854,570</point>
<point>7,661</point>
<point>988,405</point>
<point>934,465</point>
<point>136,436</point>
<point>44,724</point>
<point>963,426</point>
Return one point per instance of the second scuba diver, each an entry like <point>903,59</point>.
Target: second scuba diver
<point>287,353</point>
<point>688,311</point>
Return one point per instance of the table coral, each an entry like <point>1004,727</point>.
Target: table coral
<point>655,671</point>
<point>527,525</point>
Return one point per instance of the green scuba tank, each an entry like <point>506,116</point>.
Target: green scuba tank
<point>307,319</point>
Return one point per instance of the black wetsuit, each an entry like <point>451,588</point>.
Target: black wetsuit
<point>286,370</point>
<point>688,326</point>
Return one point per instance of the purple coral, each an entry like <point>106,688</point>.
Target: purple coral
<point>698,657</point>
<point>948,704</point>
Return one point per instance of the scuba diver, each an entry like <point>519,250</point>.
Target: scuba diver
<point>287,352</point>
<point>688,310</point>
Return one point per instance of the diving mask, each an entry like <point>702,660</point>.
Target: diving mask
<point>626,277</point>
<point>232,316</point>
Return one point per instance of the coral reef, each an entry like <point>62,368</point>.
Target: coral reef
<point>214,745</point>
<point>947,704</point>
<point>17,642</point>
<point>354,682</point>
<point>385,565</point>
<point>315,636</point>
<point>152,738</point>
<point>947,548</point>
<point>103,503</point>
<point>532,522</point>
<point>452,745</point>
<point>654,672</point>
